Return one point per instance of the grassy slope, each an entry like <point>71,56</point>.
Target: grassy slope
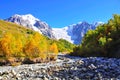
<point>12,28</point>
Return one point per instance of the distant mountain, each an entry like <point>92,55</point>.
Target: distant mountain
<point>74,33</point>
<point>32,23</point>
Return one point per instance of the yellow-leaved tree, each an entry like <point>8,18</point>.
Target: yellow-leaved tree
<point>6,45</point>
<point>53,48</point>
<point>31,48</point>
<point>36,46</point>
<point>42,44</point>
<point>18,46</point>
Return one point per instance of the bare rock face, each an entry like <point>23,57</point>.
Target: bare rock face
<point>44,28</point>
<point>31,22</point>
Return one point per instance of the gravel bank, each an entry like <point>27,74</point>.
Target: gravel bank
<point>65,68</point>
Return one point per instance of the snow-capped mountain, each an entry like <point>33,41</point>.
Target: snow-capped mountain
<point>74,33</point>
<point>32,23</point>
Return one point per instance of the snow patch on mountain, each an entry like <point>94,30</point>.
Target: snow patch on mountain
<point>62,33</point>
<point>74,33</point>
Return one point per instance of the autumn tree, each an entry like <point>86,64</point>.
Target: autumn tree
<point>36,46</point>
<point>31,48</point>
<point>53,48</point>
<point>19,43</point>
<point>6,47</point>
<point>41,42</point>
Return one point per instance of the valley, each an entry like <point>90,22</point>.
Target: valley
<point>31,55</point>
<point>60,40</point>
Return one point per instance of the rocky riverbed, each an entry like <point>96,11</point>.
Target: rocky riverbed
<point>65,68</point>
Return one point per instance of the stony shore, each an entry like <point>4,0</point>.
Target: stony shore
<point>65,68</point>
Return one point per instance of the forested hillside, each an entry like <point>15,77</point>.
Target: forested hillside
<point>103,41</point>
<point>19,43</point>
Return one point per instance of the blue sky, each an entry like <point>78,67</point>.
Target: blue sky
<point>60,13</point>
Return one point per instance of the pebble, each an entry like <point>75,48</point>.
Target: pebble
<point>56,78</point>
<point>92,66</point>
<point>45,78</point>
<point>0,78</point>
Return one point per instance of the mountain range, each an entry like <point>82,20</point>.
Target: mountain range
<point>72,33</point>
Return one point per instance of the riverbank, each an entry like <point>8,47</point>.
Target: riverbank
<point>65,68</point>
